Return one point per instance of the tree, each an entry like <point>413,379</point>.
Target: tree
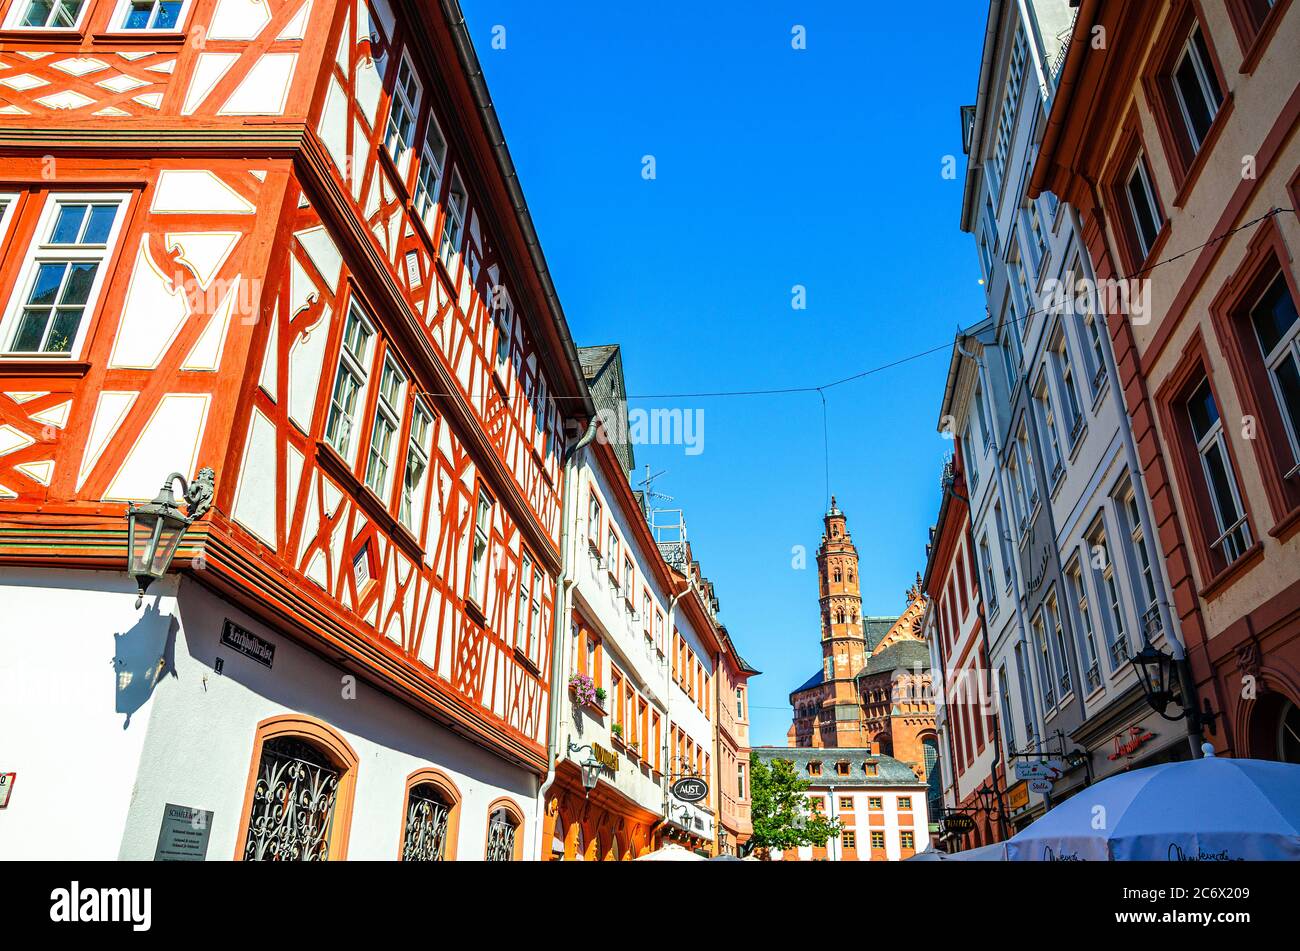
<point>779,809</point>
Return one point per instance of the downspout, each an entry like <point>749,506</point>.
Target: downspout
<point>557,631</point>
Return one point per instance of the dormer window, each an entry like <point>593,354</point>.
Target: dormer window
<point>814,769</point>
<point>842,768</point>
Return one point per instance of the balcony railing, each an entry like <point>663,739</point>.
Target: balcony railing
<point>1119,652</point>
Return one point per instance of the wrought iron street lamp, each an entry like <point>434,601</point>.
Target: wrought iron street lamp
<point>1166,679</point>
<point>154,530</point>
<point>590,767</point>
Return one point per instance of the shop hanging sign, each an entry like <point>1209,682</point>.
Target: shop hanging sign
<point>1137,738</point>
<point>958,823</point>
<point>1017,797</point>
<point>690,789</point>
<point>6,787</point>
<point>608,759</point>
<point>1040,769</point>
<point>1041,786</point>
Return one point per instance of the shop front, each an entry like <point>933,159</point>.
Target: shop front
<point>600,824</point>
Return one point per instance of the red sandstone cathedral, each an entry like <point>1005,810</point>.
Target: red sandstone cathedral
<point>873,689</point>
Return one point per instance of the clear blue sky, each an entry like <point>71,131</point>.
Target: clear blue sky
<point>775,167</point>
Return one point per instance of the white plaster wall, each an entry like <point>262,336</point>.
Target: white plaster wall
<point>74,737</point>
<point>190,741</point>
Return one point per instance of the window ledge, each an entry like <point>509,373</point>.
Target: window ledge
<point>1287,525</point>
<point>473,609</point>
<point>25,366</point>
<point>527,661</point>
<point>139,38</point>
<point>18,34</point>
<point>1229,576</point>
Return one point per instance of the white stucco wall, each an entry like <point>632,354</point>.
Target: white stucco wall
<point>190,740</point>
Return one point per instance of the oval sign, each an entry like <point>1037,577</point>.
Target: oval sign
<point>958,823</point>
<point>690,789</point>
<point>1040,786</point>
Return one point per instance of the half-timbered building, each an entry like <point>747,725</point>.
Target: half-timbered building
<point>283,240</point>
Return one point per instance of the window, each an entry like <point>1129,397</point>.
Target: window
<point>740,703</point>
<point>1047,416</point>
<point>482,530</point>
<point>1027,461</point>
<point>659,630</point>
<point>541,405</point>
<point>1277,330</point>
<point>1044,661</point>
<point>411,509</point>
<point>63,273</point>
<point>875,803</point>
<point>522,608</point>
<point>877,840</point>
<point>594,522</point>
<point>388,421</point>
<point>1004,537</point>
<point>1196,88</point>
<point>46,14</point>
<point>1083,617</point>
<point>298,803</point>
<point>1108,588</point>
<point>503,313</point>
<point>846,803</point>
<point>428,182</point>
<point>1035,236</point>
<point>1216,468</point>
<point>616,695</point>
<point>849,838</point>
<point>904,803</point>
<point>981,414</point>
<point>453,221</point>
<point>1065,377</point>
<point>1010,100</point>
<point>990,584</point>
<point>611,554</point>
<point>149,14</point>
<point>814,769</point>
<point>907,840</point>
<point>504,844</point>
<point>1145,215</point>
<point>535,627</point>
<point>842,768</point>
<point>628,579</point>
<point>399,134</point>
<point>429,826</point>
<point>1062,652</point>
<point>647,618</point>
<point>658,741</point>
<point>740,781</point>
<point>1144,582</point>
<point>1008,725</point>
<point>350,381</point>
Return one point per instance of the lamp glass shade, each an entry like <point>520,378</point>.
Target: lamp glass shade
<point>1153,670</point>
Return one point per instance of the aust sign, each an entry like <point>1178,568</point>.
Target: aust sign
<point>690,789</point>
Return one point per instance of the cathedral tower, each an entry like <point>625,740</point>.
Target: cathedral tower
<point>844,645</point>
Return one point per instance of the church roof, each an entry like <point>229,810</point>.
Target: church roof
<point>889,771</point>
<point>907,654</point>
<point>875,629</point>
<point>815,680</point>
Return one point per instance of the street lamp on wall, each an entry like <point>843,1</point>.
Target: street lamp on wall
<point>154,530</point>
<point>1161,676</point>
<point>590,767</point>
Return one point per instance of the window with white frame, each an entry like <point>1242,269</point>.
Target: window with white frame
<point>1026,696</point>
<point>611,554</point>
<point>349,381</point>
<point>1044,661</point>
<point>1216,468</point>
<point>1065,377</point>
<point>479,556</point>
<point>659,630</point>
<point>1010,100</point>
<point>503,315</point>
<point>1018,495</point>
<point>1035,236</point>
<point>1277,329</point>
<point>1112,609</point>
<point>428,181</point>
<point>522,608</point>
<point>1196,88</point>
<point>982,415</point>
<point>1021,298</point>
<point>388,423</point>
<point>1004,541</point>
<point>541,405</point>
<point>535,627</point>
<point>399,133</point>
<point>1083,617</point>
<point>594,522</point>
<point>628,578</point>
<point>1142,206</point>
<point>990,581</point>
<point>453,220</point>
<point>1047,416</point>
<point>63,272</point>
<point>1027,460</point>
<point>647,616</point>
<point>45,14</point>
<point>418,448</point>
<point>1004,695</point>
<point>972,467</point>
<point>1144,581</point>
<point>152,15</point>
<point>1062,648</point>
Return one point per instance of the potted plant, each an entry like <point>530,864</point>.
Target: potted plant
<point>583,689</point>
<point>617,730</point>
<point>600,697</point>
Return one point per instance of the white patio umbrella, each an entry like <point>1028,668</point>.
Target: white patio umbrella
<point>1207,809</point>
<point>996,852</point>
<point>671,853</point>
